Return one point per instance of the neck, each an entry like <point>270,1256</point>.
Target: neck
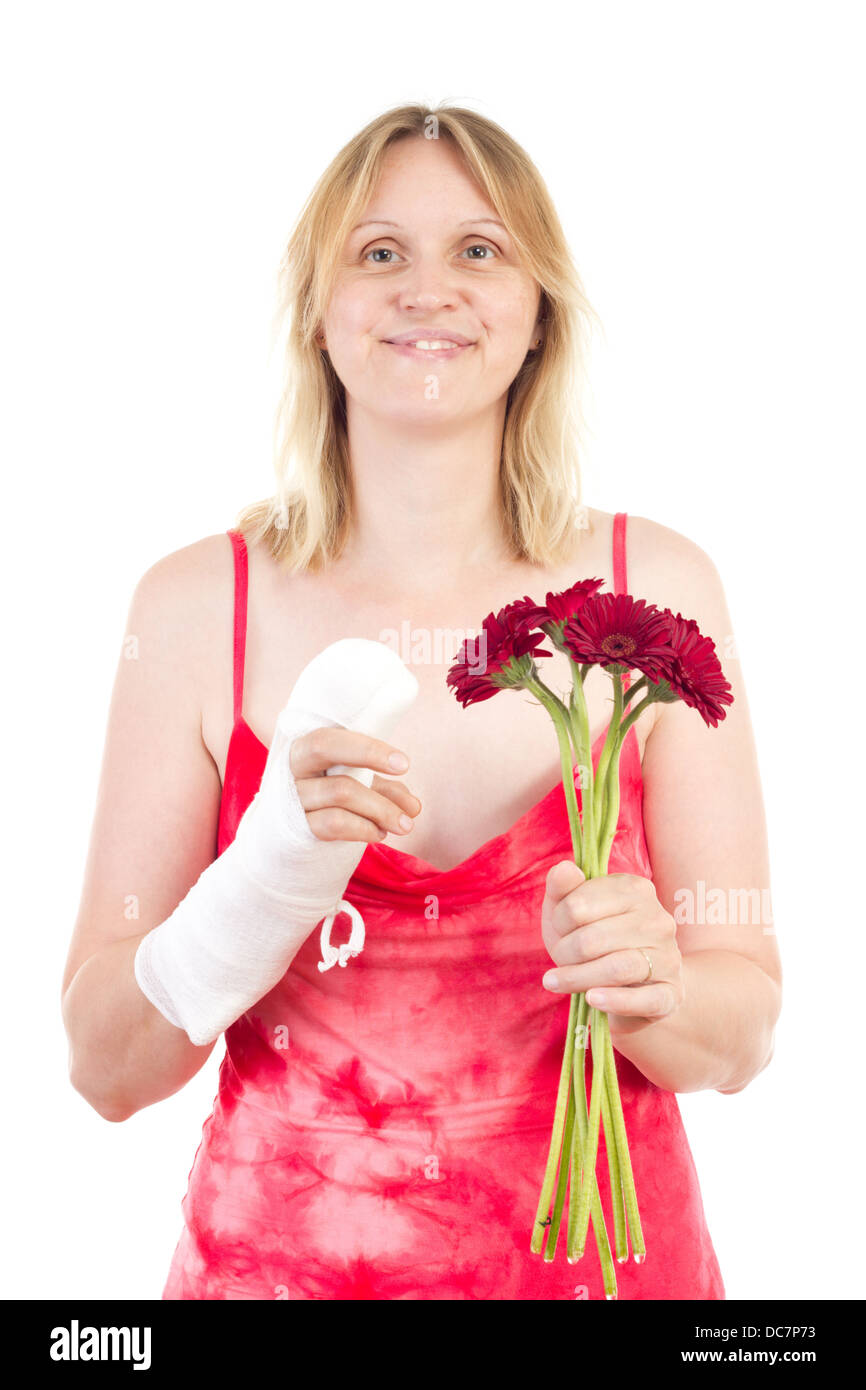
<point>426,503</point>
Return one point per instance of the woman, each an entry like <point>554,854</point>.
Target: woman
<point>382,1131</point>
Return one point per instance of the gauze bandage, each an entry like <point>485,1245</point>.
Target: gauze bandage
<point>236,932</point>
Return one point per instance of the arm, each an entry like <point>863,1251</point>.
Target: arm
<point>153,833</point>
<point>143,1008</point>
<point>705,1018</point>
<point>704,822</point>
<point>720,1037</point>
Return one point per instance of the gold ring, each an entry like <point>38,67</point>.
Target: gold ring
<point>649,974</point>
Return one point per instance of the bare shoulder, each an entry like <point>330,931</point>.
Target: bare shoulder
<point>185,596</point>
<point>673,571</point>
<point>668,561</point>
<point>180,619</point>
<point>656,554</point>
<point>191,572</point>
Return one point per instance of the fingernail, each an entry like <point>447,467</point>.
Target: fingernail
<point>550,980</point>
<point>398,761</point>
<point>595,997</point>
<point>406,822</point>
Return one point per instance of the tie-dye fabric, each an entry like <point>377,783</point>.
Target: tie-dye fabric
<point>381,1130</point>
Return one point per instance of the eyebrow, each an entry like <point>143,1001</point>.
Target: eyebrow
<point>470,222</point>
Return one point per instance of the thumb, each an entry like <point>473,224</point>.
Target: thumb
<point>563,877</point>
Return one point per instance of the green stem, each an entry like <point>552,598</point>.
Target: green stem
<point>621,1142</point>
<point>559,714</point>
<point>608,750</point>
<point>579,1081</point>
<point>617,1130</point>
<point>542,1215</point>
<point>574,1138</point>
<point>578,718</point>
<point>620,1233</point>
<point>610,804</point>
<point>639,685</point>
<point>559,1201</point>
<point>577,1228</point>
<point>634,714</point>
<point>578,1146</point>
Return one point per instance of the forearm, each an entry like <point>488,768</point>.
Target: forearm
<point>123,1054</point>
<point>719,1038</point>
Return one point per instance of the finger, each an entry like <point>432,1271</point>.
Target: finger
<point>398,792</point>
<point>636,1001</point>
<point>573,934</point>
<point>643,1001</point>
<point>562,878</point>
<point>595,900</point>
<point>344,793</point>
<point>313,753</point>
<point>336,823</point>
<point>627,930</point>
<point>619,968</point>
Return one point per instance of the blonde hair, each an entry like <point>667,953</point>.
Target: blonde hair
<point>306,521</point>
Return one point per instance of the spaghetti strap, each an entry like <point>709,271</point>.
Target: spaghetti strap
<point>239,549</point>
<point>620,570</point>
<point>620,577</point>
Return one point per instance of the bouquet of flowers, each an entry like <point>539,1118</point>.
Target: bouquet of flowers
<point>620,634</point>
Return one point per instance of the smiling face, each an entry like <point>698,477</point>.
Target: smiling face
<point>432,260</point>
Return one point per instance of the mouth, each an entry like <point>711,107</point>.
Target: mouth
<point>437,349</point>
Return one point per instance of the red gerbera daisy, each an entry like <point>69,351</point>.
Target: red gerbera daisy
<point>622,633</point>
<point>569,602</point>
<point>523,613</point>
<point>500,657</point>
<point>696,673</point>
<point>559,607</point>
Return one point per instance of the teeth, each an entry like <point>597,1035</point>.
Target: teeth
<point>433,346</point>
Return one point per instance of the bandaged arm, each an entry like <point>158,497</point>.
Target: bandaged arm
<point>234,935</point>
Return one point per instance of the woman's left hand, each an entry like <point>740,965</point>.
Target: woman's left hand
<point>596,931</point>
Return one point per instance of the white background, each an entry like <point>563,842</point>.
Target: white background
<point>706,163</point>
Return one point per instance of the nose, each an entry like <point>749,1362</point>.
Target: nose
<point>423,299</point>
<point>429,285</point>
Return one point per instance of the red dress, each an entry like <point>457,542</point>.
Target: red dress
<point>381,1131</point>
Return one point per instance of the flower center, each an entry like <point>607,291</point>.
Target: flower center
<point>618,644</point>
